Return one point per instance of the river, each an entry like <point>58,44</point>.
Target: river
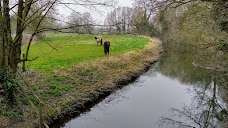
<point>172,94</point>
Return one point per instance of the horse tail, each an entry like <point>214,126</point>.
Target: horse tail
<point>101,41</point>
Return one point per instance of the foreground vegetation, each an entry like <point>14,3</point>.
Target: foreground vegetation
<point>66,90</point>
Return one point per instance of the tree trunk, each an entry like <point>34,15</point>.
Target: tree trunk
<point>19,35</point>
<point>1,39</point>
<point>10,50</point>
<point>8,44</point>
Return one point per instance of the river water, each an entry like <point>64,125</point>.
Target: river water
<point>172,94</point>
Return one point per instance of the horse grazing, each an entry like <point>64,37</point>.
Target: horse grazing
<point>98,40</point>
<point>106,47</point>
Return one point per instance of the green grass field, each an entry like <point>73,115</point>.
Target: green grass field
<point>59,51</point>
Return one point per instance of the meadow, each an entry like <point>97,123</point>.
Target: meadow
<point>71,71</point>
<point>59,51</point>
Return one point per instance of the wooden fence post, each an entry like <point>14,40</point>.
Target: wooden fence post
<point>40,115</point>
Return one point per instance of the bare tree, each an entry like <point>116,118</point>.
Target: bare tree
<point>81,23</point>
<point>119,19</point>
<point>143,13</point>
<point>35,16</point>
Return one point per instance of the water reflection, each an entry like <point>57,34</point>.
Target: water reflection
<point>173,94</point>
<point>208,108</point>
<point>206,111</point>
<point>139,105</point>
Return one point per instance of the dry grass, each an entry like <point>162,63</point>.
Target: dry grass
<point>104,75</point>
<point>68,90</point>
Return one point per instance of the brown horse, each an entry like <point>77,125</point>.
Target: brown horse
<point>98,40</point>
<point>106,47</point>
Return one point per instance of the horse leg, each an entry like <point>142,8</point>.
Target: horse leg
<point>108,45</point>
<point>101,41</point>
<point>105,51</point>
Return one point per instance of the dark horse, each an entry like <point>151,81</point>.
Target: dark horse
<point>98,40</point>
<point>106,47</point>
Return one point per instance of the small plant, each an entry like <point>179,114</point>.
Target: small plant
<point>55,92</point>
<point>52,86</point>
<point>10,87</point>
<point>11,111</point>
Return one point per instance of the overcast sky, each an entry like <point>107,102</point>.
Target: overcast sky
<point>98,15</point>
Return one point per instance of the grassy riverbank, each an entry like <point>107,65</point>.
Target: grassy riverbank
<point>68,89</point>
